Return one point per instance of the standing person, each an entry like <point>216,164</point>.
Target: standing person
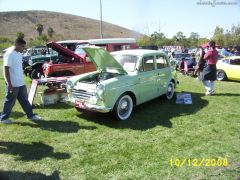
<point>15,85</point>
<point>201,62</point>
<point>208,75</point>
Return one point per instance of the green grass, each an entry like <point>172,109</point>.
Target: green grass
<point>71,145</point>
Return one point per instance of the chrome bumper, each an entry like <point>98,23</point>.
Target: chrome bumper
<point>91,107</point>
<point>96,108</point>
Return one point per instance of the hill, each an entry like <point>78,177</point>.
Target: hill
<point>66,26</point>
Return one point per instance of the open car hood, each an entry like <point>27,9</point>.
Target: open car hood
<point>102,59</point>
<point>62,50</point>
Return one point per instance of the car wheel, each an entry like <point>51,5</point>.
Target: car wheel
<point>170,91</point>
<point>123,107</point>
<point>36,74</point>
<point>221,75</point>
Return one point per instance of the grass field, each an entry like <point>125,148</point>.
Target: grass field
<point>71,145</point>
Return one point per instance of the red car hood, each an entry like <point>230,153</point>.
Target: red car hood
<point>62,50</point>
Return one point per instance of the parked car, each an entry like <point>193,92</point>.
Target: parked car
<point>110,44</point>
<point>228,68</point>
<point>68,63</point>
<point>175,61</point>
<point>34,58</point>
<point>80,63</point>
<point>123,80</point>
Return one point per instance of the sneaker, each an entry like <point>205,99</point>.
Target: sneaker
<point>212,92</point>
<point>208,93</point>
<point>6,121</point>
<point>35,118</point>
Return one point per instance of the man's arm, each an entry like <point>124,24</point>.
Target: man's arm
<point>7,78</point>
<point>207,55</point>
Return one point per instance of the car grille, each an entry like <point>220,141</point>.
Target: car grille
<point>82,94</point>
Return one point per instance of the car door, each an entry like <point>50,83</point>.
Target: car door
<point>163,73</point>
<point>146,86</point>
<point>234,69</point>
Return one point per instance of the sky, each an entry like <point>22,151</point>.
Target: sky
<point>145,16</point>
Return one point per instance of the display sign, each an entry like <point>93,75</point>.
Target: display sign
<point>32,91</point>
<point>183,98</point>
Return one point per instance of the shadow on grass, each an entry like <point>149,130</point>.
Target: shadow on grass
<point>57,126</point>
<point>29,152</point>
<point>53,106</point>
<point>12,175</point>
<point>226,94</point>
<point>150,114</point>
<point>17,115</point>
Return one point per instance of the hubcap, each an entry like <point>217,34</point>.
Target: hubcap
<point>220,75</point>
<point>169,91</point>
<point>125,107</point>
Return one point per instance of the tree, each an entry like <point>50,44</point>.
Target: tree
<point>39,29</point>
<point>202,41</point>
<point>218,35</point>
<point>157,39</point>
<point>180,36</point>
<point>144,41</point>
<point>194,36</point>
<point>5,42</point>
<point>20,35</point>
<point>235,35</point>
<point>50,32</point>
<point>193,39</point>
<point>43,37</point>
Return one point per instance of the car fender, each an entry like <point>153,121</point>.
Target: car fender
<point>114,90</point>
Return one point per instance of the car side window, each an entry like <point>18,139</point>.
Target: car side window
<point>148,63</point>
<point>161,62</point>
<point>225,61</point>
<point>235,62</point>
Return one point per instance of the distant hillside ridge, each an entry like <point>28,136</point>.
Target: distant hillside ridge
<point>66,26</point>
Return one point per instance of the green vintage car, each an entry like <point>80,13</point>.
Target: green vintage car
<point>123,80</point>
<point>35,57</point>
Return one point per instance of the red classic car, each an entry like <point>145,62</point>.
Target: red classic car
<point>68,64</point>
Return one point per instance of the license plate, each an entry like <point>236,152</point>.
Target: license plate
<point>79,104</point>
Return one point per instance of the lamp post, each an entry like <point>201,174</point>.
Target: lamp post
<point>101,32</point>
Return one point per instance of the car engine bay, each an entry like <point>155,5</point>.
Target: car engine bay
<point>99,77</point>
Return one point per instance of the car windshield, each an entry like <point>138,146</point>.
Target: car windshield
<point>80,51</point>
<point>128,62</point>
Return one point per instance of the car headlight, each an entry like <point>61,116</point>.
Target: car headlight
<point>69,84</point>
<point>100,90</point>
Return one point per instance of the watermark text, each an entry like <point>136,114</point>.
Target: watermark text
<point>214,3</point>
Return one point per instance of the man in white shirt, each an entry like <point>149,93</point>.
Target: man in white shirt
<point>15,85</point>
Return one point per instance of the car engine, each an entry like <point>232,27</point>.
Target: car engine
<point>99,77</point>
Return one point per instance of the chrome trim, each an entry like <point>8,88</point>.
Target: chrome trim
<point>101,109</point>
<point>82,94</point>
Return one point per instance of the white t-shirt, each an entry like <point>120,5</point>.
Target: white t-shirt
<point>13,60</point>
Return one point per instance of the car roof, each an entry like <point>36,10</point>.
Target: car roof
<point>137,52</point>
<point>101,41</point>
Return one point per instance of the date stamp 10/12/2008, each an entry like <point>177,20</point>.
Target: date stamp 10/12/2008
<point>199,162</point>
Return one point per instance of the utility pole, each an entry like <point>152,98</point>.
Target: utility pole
<point>101,31</point>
